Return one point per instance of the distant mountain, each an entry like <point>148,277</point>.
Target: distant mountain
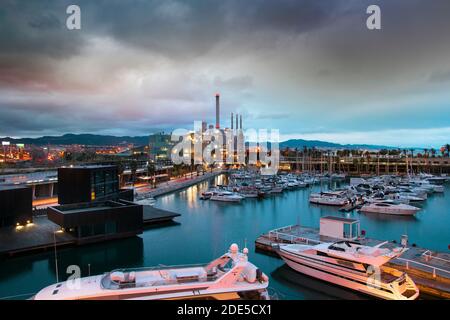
<point>300,143</point>
<point>82,139</point>
<point>104,140</point>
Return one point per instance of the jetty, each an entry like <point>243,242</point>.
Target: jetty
<point>43,234</point>
<point>172,186</point>
<point>430,270</point>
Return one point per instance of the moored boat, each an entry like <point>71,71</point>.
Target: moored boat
<point>352,265</point>
<point>231,276</point>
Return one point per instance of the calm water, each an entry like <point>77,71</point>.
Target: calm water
<point>206,229</point>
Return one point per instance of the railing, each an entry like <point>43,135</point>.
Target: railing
<point>433,269</point>
<point>278,234</point>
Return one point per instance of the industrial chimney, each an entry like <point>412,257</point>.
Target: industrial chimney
<point>232,121</point>
<point>237,121</point>
<point>240,125</point>
<point>217,111</point>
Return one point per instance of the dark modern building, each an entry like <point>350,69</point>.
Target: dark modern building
<point>94,221</point>
<point>90,183</point>
<point>16,205</point>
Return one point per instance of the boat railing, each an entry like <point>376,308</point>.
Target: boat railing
<point>160,267</point>
<point>435,270</point>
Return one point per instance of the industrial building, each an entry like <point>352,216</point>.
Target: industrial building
<point>16,206</point>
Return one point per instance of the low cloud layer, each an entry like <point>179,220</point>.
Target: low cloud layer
<point>305,67</point>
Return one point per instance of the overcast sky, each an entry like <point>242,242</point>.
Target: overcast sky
<point>308,68</point>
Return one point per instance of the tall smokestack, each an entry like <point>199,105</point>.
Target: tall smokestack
<point>240,119</point>
<point>232,121</point>
<point>237,122</point>
<point>217,111</point>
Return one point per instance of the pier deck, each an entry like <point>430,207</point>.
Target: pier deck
<point>154,215</point>
<point>42,233</point>
<point>429,270</point>
<point>39,235</point>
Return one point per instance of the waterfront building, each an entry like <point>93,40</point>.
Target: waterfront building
<point>160,146</point>
<point>103,220</point>
<point>90,183</point>
<point>15,205</point>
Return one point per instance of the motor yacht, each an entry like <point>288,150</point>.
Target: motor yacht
<point>226,196</point>
<point>352,265</point>
<point>329,198</point>
<point>389,207</point>
<point>231,276</point>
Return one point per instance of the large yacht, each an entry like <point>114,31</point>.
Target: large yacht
<point>352,265</point>
<point>390,207</point>
<point>332,198</point>
<point>229,277</point>
<point>226,196</point>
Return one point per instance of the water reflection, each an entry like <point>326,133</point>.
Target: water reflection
<point>205,230</point>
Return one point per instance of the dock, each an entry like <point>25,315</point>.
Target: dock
<point>173,186</point>
<point>43,234</point>
<point>429,270</point>
<point>154,215</point>
<point>40,235</point>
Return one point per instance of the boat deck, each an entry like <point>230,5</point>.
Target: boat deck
<point>429,270</point>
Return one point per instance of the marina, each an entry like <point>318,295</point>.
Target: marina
<point>211,224</point>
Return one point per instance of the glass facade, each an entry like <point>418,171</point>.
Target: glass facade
<point>110,227</point>
<point>104,182</point>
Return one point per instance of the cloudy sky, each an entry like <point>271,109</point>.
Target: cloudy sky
<point>308,68</point>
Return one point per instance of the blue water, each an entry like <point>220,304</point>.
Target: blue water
<point>205,230</point>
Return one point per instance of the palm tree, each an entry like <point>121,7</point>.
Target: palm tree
<point>151,170</point>
<point>433,152</point>
<point>133,167</point>
<point>120,170</point>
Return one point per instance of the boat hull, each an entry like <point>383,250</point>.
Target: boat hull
<point>318,271</point>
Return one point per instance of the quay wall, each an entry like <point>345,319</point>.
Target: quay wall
<point>169,187</point>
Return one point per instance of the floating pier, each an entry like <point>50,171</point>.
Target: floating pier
<point>430,270</point>
<point>43,234</point>
<point>152,215</point>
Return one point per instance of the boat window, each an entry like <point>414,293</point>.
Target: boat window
<point>333,247</point>
<point>382,204</point>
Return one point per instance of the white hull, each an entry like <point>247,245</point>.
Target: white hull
<point>225,199</point>
<point>391,211</point>
<point>328,201</point>
<point>230,276</point>
<point>352,280</point>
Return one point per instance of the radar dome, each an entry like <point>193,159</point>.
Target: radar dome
<point>234,248</point>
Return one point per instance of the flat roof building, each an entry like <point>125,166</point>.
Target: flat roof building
<point>95,221</point>
<point>89,183</point>
<point>16,205</point>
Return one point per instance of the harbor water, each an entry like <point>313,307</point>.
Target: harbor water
<point>205,230</point>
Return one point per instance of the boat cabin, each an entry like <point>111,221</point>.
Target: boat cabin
<point>339,228</point>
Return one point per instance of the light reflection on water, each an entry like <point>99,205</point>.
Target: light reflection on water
<point>207,228</point>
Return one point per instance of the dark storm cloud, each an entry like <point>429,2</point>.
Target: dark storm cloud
<point>149,63</point>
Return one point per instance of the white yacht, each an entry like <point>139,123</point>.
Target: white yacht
<point>329,198</point>
<point>226,196</point>
<point>389,207</point>
<point>352,265</point>
<point>229,277</point>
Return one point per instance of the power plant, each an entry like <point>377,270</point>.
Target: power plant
<point>235,120</point>
<point>217,111</point>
